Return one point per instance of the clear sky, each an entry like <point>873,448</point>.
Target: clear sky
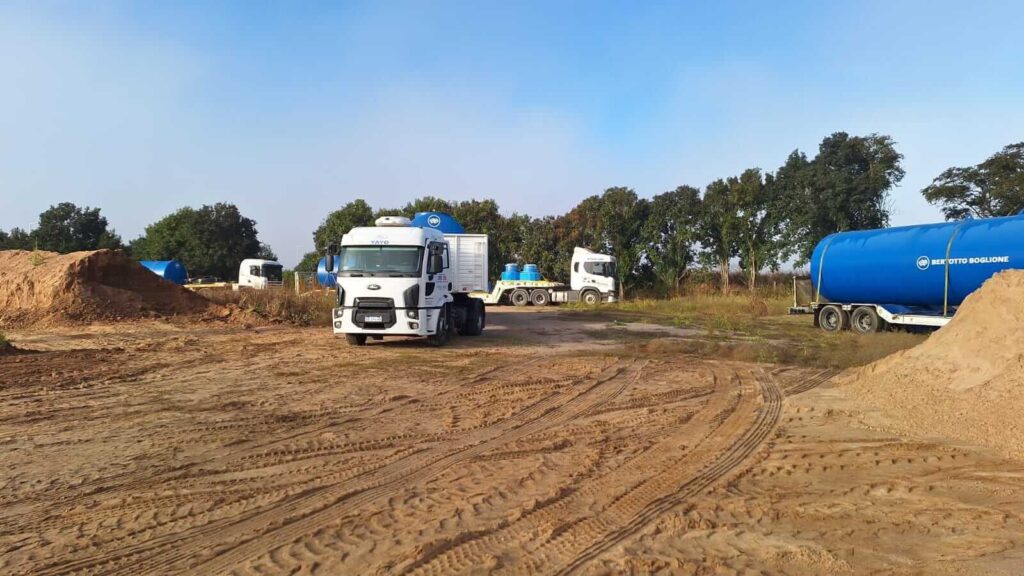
<point>292,109</point>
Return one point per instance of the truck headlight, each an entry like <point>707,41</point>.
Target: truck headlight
<point>338,313</point>
<point>414,314</point>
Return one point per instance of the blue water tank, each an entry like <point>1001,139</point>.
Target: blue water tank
<point>511,272</point>
<point>325,278</point>
<point>907,266</point>
<point>530,272</point>
<point>170,270</point>
<point>438,221</point>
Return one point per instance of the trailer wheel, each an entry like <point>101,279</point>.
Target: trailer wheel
<point>590,298</point>
<point>356,339</point>
<point>520,297</point>
<point>833,318</point>
<point>865,320</point>
<point>540,297</point>
<point>440,337</point>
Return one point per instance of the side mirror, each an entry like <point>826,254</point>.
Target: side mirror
<point>332,249</point>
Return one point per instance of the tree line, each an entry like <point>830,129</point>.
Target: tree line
<point>758,219</point>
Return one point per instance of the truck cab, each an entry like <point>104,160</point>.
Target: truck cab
<point>593,276</point>
<point>260,274</point>
<point>394,279</point>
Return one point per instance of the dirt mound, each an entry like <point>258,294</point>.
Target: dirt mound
<point>967,380</point>
<point>46,287</point>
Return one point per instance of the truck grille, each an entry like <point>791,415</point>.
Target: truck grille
<point>374,313</point>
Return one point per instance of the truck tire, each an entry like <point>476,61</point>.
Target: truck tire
<point>590,297</point>
<point>440,337</point>
<point>520,297</point>
<point>540,297</point>
<point>833,318</point>
<point>865,320</point>
<point>476,318</point>
<point>356,339</point>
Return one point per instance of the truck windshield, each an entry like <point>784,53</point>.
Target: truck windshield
<point>381,260</point>
<point>600,268</point>
<point>273,272</point>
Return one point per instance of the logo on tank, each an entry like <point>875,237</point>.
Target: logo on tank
<point>923,262</point>
<point>434,220</point>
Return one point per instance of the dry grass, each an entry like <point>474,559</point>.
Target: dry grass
<point>309,309</point>
<point>741,327</point>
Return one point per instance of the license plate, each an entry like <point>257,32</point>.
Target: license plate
<point>373,318</point>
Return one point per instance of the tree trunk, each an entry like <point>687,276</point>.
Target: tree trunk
<point>622,290</point>
<point>753,271</point>
<point>723,270</point>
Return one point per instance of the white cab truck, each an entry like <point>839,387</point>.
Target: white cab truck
<point>395,279</point>
<point>591,281</point>
<point>259,274</point>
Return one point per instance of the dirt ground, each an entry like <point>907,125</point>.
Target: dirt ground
<point>149,448</point>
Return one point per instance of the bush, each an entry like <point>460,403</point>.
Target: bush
<point>309,309</point>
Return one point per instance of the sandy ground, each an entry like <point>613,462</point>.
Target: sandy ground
<point>156,449</point>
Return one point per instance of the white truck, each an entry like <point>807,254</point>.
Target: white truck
<point>591,281</point>
<point>259,274</point>
<point>395,279</point>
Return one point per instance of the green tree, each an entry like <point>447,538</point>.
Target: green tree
<point>67,228</point>
<point>16,239</point>
<point>759,223</point>
<point>845,187</point>
<point>427,204</point>
<point>670,234</point>
<point>338,223</point>
<point>718,230</point>
<point>621,219</point>
<point>309,262</point>
<point>994,187</point>
<point>211,240</point>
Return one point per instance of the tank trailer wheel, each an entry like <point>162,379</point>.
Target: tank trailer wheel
<point>540,297</point>
<point>833,318</point>
<point>520,297</point>
<point>865,320</point>
<point>591,298</point>
<point>356,339</point>
<point>440,337</point>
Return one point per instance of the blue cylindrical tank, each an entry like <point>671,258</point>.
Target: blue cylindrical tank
<point>439,221</point>
<point>511,272</point>
<point>530,272</point>
<point>170,270</point>
<point>325,278</point>
<point>908,265</point>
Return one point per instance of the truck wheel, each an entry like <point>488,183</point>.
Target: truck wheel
<point>590,298</point>
<point>540,297</point>
<point>520,297</point>
<point>833,318</point>
<point>865,320</point>
<point>440,337</point>
<point>476,318</point>
<point>356,339</point>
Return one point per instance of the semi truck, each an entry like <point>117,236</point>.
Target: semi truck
<point>399,279</point>
<point>591,281</point>
<point>260,274</point>
<point>910,276</point>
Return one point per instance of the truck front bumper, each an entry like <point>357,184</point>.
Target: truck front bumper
<point>411,322</point>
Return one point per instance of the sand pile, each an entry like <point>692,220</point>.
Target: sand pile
<point>50,288</point>
<point>967,380</point>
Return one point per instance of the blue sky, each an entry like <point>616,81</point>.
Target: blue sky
<point>292,109</point>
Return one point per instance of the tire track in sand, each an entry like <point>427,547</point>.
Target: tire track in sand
<point>233,540</point>
<point>731,428</point>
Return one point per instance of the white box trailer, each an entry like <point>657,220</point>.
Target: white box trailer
<point>468,262</point>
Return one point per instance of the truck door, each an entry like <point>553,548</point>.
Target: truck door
<point>436,288</point>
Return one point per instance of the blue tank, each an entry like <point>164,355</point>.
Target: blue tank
<point>908,266</point>
<point>170,270</point>
<point>511,272</point>
<point>325,278</point>
<point>438,221</point>
<point>530,272</point>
